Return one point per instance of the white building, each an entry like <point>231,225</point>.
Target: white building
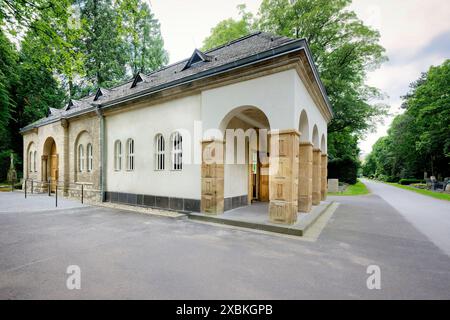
<point>157,140</point>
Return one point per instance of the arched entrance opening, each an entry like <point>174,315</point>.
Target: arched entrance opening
<point>30,164</point>
<point>304,126</point>
<point>323,145</point>
<point>315,137</point>
<point>50,163</point>
<point>246,170</point>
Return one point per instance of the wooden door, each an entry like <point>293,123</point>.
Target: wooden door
<point>53,167</point>
<point>264,183</point>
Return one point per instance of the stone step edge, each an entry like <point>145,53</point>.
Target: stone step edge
<point>282,229</point>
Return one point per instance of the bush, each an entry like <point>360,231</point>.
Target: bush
<point>392,179</point>
<point>405,182</point>
<point>344,169</point>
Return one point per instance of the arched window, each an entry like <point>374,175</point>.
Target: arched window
<point>30,168</point>
<point>34,161</point>
<point>80,158</point>
<point>177,151</point>
<point>90,158</point>
<point>159,152</point>
<point>130,154</point>
<point>118,155</point>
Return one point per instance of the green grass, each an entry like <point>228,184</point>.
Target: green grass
<point>437,195</point>
<point>356,189</point>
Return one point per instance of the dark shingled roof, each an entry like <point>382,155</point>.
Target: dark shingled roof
<point>229,53</point>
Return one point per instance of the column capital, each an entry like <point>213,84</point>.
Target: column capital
<point>305,143</point>
<point>284,131</point>
<point>317,150</point>
<point>324,155</point>
<point>211,140</point>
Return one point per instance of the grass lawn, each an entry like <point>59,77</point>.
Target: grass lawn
<point>356,189</point>
<point>437,195</point>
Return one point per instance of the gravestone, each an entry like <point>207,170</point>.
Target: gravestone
<point>333,185</point>
<point>12,174</point>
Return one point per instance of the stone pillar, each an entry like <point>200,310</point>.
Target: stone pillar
<point>64,156</point>
<point>44,174</point>
<point>212,201</point>
<point>305,176</point>
<point>283,176</point>
<point>323,176</point>
<point>316,196</point>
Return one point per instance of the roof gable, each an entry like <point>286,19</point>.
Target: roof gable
<point>196,56</point>
<point>98,94</point>
<point>138,78</point>
<point>69,105</point>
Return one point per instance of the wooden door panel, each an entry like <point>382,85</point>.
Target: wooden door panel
<point>264,183</point>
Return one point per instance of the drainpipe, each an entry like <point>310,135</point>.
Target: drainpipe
<point>102,148</point>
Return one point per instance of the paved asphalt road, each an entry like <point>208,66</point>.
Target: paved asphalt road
<point>429,215</point>
<point>126,255</point>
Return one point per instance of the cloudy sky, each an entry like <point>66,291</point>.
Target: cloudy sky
<point>415,33</point>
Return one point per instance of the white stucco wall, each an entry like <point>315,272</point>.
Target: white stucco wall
<point>142,125</point>
<point>303,101</point>
<point>272,94</point>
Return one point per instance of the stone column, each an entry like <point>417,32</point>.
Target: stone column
<point>323,176</point>
<point>305,176</point>
<point>283,176</point>
<point>316,196</point>
<point>64,156</point>
<point>212,201</point>
<point>44,173</point>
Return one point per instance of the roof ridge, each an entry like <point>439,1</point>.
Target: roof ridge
<point>234,41</point>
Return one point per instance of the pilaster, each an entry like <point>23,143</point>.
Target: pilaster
<point>283,176</point>
<point>316,177</point>
<point>305,176</point>
<point>324,173</point>
<point>212,201</point>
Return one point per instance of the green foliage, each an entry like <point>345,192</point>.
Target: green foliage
<point>104,51</point>
<point>37,88</point>
<point>344,50</point>
<point>8,79</point>
<point>345,169</point>
<point>229,29</point>
<point>410,181</point>
<point>142,33</point>
<point>419,139</point>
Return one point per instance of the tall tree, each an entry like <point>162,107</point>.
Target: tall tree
<point>344,50</point>
<point>418,140</point>
<point>8,80</point>
<point>142,33</point>
<point>102,45</point>
<point>230,29</point>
